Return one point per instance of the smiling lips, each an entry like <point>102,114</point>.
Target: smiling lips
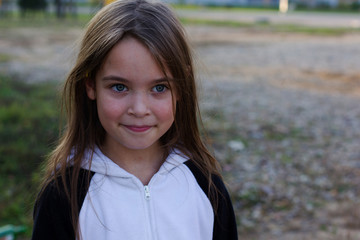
<point>138,128</point>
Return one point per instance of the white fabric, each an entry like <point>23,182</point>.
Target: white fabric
<point>118,207</point>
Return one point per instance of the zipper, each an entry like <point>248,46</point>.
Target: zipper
<point>147,192</point>
<point>148,212</point>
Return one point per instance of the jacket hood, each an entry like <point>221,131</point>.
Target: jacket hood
<point>103,165</point>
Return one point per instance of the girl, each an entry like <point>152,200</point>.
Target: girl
<point>131,164</point>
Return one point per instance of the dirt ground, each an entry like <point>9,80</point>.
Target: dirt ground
<point>282,110</point>
<point>269,86</point>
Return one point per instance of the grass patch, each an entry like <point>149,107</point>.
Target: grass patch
<point>4,58</point>
<point>40,20</point>
<point>28,128</point>
<point>266,26</point>
<point>226,23</point>
<point>325,31</point>
<point>223,8</point>
<point>48,20</point>
<point>339,10</point>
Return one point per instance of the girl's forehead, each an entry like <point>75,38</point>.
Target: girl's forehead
<point>130,59</point>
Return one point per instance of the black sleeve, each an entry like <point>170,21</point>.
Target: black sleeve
<point>225,223</point>
<point>52,215</point>
<point>52,211</point>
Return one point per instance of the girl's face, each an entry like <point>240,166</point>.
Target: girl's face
<point>133,97</point>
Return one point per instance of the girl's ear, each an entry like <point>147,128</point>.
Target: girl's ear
<point>90,88</point>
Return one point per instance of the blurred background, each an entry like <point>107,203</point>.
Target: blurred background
<point>279,85</point>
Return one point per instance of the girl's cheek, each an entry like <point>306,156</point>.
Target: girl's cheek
<point>112,107</point>
<point>165,109</point>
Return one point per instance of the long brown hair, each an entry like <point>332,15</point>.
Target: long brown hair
<point>156,26</point>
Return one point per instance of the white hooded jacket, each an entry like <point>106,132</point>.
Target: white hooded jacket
<point>116,205</point>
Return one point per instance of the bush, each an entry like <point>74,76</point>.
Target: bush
<point>355,6</point>
<point>28,127</point>
<point>32,5</point>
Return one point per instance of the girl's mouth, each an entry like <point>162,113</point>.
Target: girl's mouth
<point>137,128</point>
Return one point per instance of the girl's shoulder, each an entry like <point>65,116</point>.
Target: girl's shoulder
<point>52,210</point>
<point>225,222</point>
<point>59,185</point>
<point>203,181</point>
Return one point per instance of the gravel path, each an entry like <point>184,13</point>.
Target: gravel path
<point>282,112</point>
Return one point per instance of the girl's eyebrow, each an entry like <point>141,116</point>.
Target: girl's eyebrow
<point>164,79</point>
<point>116,78</point>
<point>121,79</point>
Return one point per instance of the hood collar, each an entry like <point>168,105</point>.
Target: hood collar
<point>103,165</point>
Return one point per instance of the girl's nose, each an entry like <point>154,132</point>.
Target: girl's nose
<point>139,105</point>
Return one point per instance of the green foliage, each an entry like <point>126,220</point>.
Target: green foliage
<point>32,4</point>
<point>28,127</point>
<point>4,58</point>
<point>355,6</point>
<point>48,22</point>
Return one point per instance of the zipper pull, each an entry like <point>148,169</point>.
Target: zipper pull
<point>147,192</point>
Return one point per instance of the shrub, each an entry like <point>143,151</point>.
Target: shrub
<point>32,5</point>
<point>28,127</point>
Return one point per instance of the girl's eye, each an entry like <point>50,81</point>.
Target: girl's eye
<point>159,88</point>
<point>119,87</point>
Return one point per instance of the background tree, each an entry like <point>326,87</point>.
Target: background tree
<point>64,6</point>
<point>32,5</point>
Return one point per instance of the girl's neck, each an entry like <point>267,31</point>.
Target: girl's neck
<point>143,163</point>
